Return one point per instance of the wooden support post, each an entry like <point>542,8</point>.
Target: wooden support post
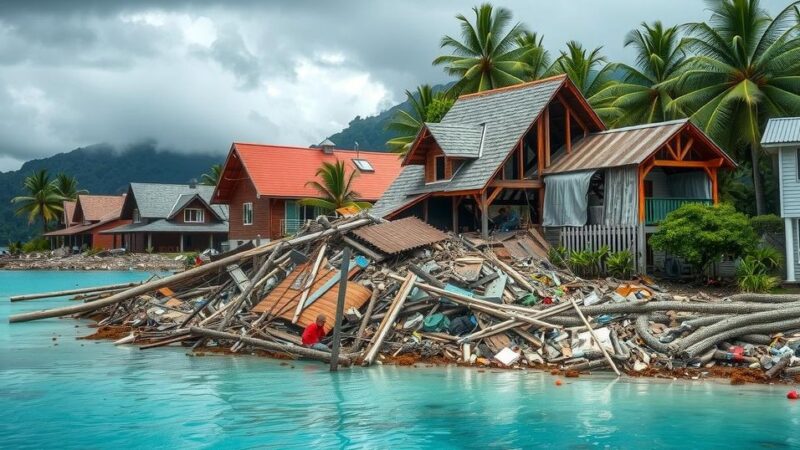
<point>521,159</point>
<point>547,137</point>
<point>180,245</point>
<point>455,214</point>
<point>540,202</point>
<point>540,146</point>
<point>337,325</point>
<point>714,186</point>
<point>568,127</point>
<point>484,207</point>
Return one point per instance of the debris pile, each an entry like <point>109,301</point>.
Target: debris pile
<point>105,260</point>
<point>405,292</point>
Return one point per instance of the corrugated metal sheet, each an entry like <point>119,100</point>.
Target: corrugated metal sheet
<point>616,148</point>
<point>400,235</point>
<point>282,300</point>
<point>784,130</point>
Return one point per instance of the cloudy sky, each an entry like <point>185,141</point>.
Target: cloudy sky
<point>196,75</point>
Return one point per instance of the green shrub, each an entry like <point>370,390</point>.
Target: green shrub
<point>753,276</point>
<point>769,257</point>
<point>620,264</point>
<point>580,262</point>
<point>558,256</point>
<point>36,245</point>
<point>702,234</point>
<point>14,248</point>
<point>768,223</point>
<point>598,259</point>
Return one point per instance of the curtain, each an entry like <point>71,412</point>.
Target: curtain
<point>694,184</point>
<point>620,196</point>
<point>566,199</point>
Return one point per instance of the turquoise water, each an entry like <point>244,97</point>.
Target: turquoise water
<point>90,394</point>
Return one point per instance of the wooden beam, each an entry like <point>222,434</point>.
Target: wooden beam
<point>712,176</point>
<point>521,159</point>
<point>493,195</point>
<point>672,152</point>
<point>517,184</point>
<point>455,201</point>
<point>568,136</point>
<point>641,194</point>
<point>547,137</point>
<point>687,148</point>
<point>540,146</point>
<point>694,164</point>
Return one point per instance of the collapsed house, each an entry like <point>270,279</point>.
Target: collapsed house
<point>404,291</point>
<point>539,150</point>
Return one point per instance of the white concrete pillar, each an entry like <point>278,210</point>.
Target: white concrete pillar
<point>211,240</point>
<point>788,225</point>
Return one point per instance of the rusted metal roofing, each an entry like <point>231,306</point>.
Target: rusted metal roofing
<point>399,235</point>
<point>616,148</point>
<point>282,300</point>
<point>785,130</point>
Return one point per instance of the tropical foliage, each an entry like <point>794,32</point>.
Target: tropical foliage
<point>488,55</point>
<point>743,69</point>
<point>585,68</point>
<point>42,199</point>
<point>211,178</point>
<point>425,106</point>
<point>335,188</point>
<point>67,186</point>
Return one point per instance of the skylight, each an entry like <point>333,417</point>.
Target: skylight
<point>363,165</point>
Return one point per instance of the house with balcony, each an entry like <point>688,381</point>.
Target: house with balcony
<point>262,185</point>
<point>781,139</point>
<point>538,151</point>
<point>167,218</point>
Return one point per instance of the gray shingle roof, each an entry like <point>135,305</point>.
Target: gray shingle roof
<point>784,130</point>
<point>457,141</point>
<point>185,199</point>
<point>507,115</point>
<point>164,226</point>
<point>156,201</point>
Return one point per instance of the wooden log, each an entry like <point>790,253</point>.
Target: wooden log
<point>309,282</point>
<point>388,320</point>
<point>594,336</point>
<point>361,248</point>
<point>272,346</point>
<point>87,290</point>
<point>337,324</point>
<point>183,276</point>
<point>779,366</point>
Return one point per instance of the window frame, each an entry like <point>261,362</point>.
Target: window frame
<point>200,213</point>
<point>436,160</point>
<point>367,166</point>
<point>137,216</point>
<point>247,213</point>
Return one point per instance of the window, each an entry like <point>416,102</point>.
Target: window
<point>193,215</point>
<point>363,165</point>
<point>247,213</point>
<point>137,218</point>
<point>439,168</point>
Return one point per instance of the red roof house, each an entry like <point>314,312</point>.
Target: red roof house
<point>262,183</point>
<point>87,217</point>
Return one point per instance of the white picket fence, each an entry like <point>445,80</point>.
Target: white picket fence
<point>592,237</point>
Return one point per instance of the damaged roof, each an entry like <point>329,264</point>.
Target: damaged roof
<point>399,235</point>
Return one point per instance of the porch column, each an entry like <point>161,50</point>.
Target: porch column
<point>180,236</point>
<point>788,226</point>
<point>455,213</point>
<point>714,186</point>
<point>149,240</point>
<point>484,206</point>
<point>210,240</point>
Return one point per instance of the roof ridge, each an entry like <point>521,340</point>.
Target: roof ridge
<point>643,126</point>
<point>311,148</point>
<point>513,87</point>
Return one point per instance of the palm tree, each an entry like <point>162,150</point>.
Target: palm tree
<point>43,199</point>
<point>425,107</point>
<point>588,71</point>
<point>743,69</point>
<point>212,178</point>
<point>67,186</point>
<point>536,58</point>
<point>640,97</point>
<point>334,189</point>
<point>488,57</point>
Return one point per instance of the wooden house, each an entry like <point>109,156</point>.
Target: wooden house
<point>85,219</point>
<point>782,140</point>
<point>171,218</point>
<point>539,150</point>
<point>261,185</point>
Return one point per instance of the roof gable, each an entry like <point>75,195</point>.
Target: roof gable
<point>94,208</point>
<point>156,200</point>
<point>185,200</point>
<point>278,171</point>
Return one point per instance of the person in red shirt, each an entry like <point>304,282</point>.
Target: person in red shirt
<point>314,333</point>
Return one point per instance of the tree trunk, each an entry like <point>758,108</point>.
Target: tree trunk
<point>758,189</point>
<point>44,223</point>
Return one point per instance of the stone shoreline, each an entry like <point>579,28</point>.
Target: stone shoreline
<point>41,261</point>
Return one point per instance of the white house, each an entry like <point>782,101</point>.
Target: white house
<point>782,138</point>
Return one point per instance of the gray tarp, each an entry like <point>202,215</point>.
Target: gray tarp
<point>620,196</point>
<point>566,199</point>
<point>694,184</point>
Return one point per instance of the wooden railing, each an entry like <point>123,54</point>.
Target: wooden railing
<point>656,209</point>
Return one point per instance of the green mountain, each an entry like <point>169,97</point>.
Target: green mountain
<point>100,169</point>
